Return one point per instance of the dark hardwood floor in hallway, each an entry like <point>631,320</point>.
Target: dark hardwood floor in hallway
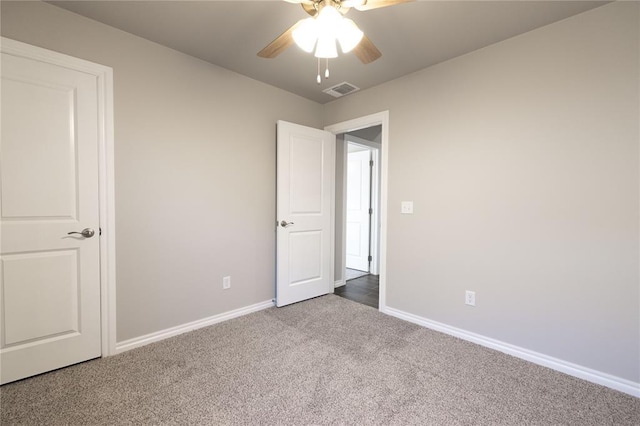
<point>362,290</point>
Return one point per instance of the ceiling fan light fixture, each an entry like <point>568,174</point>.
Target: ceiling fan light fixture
<point>327,22</point>
<point>325,29</point>
<point>329,18</point>
<point>349,35</point>
<point>326,47</point>
<point>306,35</point>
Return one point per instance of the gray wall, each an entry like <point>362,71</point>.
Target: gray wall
<point>522,160</point>
<point>195,186</point>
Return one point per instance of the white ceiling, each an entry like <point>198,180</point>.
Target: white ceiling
<point>410,36</point>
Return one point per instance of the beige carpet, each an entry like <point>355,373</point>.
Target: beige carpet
<point>324,361</point>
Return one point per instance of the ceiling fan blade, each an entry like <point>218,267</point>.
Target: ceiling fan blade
<point>366,51</point>
<point>352,3</point>
<point>280,44</point>
<point>310,8</point>
<point>372,4</point>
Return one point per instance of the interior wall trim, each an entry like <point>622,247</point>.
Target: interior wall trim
<point>575,370</point>
<point>157,336</point>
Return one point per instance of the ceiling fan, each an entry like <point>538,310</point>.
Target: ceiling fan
<point>325,27</point>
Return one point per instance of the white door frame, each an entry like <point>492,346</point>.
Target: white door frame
<point>104,77</point>
<point>374,148</point>
<point>382,119</point>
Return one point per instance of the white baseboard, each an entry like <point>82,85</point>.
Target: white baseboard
<point>594,376</point>
<point>339,283</point>
<point>136,342</point>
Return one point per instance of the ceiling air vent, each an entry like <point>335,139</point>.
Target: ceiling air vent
<point>341,89</point>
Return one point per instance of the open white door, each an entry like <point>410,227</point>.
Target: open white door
<point>305,188</point>
<point>49,280</point>
<point>358,209</point>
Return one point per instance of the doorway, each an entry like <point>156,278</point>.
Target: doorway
<point>368,136</point>
<point>361,204</point>
<point>361,215</point>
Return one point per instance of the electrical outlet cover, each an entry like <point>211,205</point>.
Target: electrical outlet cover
<point>470,298</point>
<point>406,207</point>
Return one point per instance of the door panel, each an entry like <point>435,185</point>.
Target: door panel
<point>306,256</point>
<point>358,204</point>
<point>45,153</point>
<point>40,285</point>
<point>49,280</point>
<point>305,177</point>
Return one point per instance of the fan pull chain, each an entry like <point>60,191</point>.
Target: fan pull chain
<point>326,71</point>
<point>319,79</point>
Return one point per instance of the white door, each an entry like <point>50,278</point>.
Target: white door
<point>49,280</point>
<point>305,188</point>
<point>358,205</point>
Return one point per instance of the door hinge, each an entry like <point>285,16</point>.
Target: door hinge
<point>99,231</point>
<point>370,163</point>
<point>370,211</point>
<point>370,258</point>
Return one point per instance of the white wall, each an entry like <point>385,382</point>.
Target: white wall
<point>195,185</point>
<point>339,257</point>
<point>522,160</point>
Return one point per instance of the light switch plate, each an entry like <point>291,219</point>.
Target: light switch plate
<point>406,207</point>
